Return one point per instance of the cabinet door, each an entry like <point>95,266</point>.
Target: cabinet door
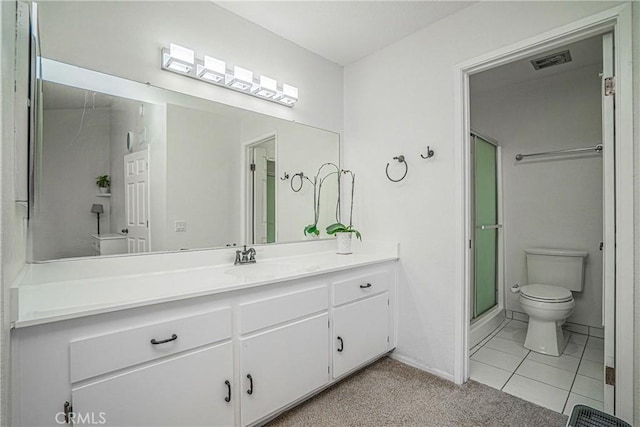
<point>282,365</point>
<point>188,390</point>
<point>360,333</point>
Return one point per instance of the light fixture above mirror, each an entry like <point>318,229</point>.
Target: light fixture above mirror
<point>182,60</point>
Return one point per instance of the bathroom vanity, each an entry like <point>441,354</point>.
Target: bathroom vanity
<point>196,344</point>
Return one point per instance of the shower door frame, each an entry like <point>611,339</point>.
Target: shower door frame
<point>618,20</point>
<point>486,320</point>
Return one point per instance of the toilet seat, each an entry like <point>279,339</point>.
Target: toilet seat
<point>546,293</point>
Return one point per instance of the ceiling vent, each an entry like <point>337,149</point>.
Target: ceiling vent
<point>551,60</point>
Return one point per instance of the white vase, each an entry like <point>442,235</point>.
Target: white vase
<point>103,190</point>
<point>344,243</point>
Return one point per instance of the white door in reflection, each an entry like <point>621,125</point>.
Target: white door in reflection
<point>136,182</point>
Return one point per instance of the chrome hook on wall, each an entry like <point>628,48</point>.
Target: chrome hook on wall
<point>284,177</point>
<point>400,159</point>
<point>430,153</point>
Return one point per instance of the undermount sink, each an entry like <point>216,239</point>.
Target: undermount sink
<point>260,270</point>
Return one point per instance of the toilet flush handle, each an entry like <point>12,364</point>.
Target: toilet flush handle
<point>515,289</point>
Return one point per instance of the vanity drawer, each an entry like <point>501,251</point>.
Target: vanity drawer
<point>361,286</point>
<point>101,354</point>
<point>266,312</point>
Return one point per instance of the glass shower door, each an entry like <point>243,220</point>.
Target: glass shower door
<point>485,214</point>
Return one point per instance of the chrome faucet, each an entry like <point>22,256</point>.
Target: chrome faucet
<point>246,256</point>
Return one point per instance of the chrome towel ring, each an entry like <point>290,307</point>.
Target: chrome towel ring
<point>400,159</point>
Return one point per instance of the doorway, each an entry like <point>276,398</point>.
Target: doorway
<point>262,191</point>
<point>619,295</point>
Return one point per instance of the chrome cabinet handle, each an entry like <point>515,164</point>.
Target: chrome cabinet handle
<point>368,285</point>
<point>250,391</point>
<point>156,342</point>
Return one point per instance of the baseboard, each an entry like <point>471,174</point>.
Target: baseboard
<point>414,363</point>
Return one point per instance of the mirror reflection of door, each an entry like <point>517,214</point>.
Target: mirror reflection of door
<point>136,181</point>
<point>262,187</point>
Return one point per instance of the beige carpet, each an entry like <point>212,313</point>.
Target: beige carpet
<point>390,393</point>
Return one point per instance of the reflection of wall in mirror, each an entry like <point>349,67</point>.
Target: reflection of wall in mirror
<point>203,173</point>
<point>75,155</point>
<point>299,149</point>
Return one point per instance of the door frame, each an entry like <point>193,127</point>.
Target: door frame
<point>245,182</point>
<point>619,21</point>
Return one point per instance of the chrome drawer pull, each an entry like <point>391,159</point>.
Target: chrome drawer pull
<point>368,285</point>
<point>156,342</point>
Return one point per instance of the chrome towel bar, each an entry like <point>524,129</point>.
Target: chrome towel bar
<point>597,149</point>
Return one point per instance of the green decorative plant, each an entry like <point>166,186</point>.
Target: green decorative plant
<point>339,227</point>
<point>312,229</point>
<point>103,181</point>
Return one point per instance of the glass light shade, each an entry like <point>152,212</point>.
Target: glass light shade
<point>267,88</point>
<point>289,94</point>
<point>179,58</point>
<point>242,79</point>
<point>213,69</point>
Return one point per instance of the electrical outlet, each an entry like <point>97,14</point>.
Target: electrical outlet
<point>181,225</point>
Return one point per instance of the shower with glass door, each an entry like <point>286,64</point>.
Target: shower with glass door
<point>485,224</point>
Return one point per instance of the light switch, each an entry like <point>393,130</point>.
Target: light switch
<point>181,225</point>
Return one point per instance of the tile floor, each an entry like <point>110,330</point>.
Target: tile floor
<point>557,383</point>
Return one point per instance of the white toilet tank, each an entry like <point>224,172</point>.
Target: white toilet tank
<point>556,267</point>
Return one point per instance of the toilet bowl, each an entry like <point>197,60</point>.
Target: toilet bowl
<point>548,308</point>
<point>553,274</point>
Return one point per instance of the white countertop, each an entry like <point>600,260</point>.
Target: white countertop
<point>49,301</point>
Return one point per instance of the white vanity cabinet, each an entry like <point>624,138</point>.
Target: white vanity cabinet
<point>361,318</point>
<point>232,358</point>
<point>281,365</point>
<point>193,389</point>
<point>283,351</point>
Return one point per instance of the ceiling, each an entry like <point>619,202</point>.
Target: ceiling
<point>344,31</point>
<point>583,53</point>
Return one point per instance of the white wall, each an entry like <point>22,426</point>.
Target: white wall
<point>74,141</point>
<point>111,37</point>
<point>387,116</point>
<point>203,172</point>
<point>299,149</point>
<point>556,202</point>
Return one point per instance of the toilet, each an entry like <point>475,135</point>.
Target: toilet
<point>553,274</point>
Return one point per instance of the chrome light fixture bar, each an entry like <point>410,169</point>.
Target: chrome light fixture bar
<point>181,60</point>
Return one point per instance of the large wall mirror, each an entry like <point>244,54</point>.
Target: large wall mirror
<point>181,172</point>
